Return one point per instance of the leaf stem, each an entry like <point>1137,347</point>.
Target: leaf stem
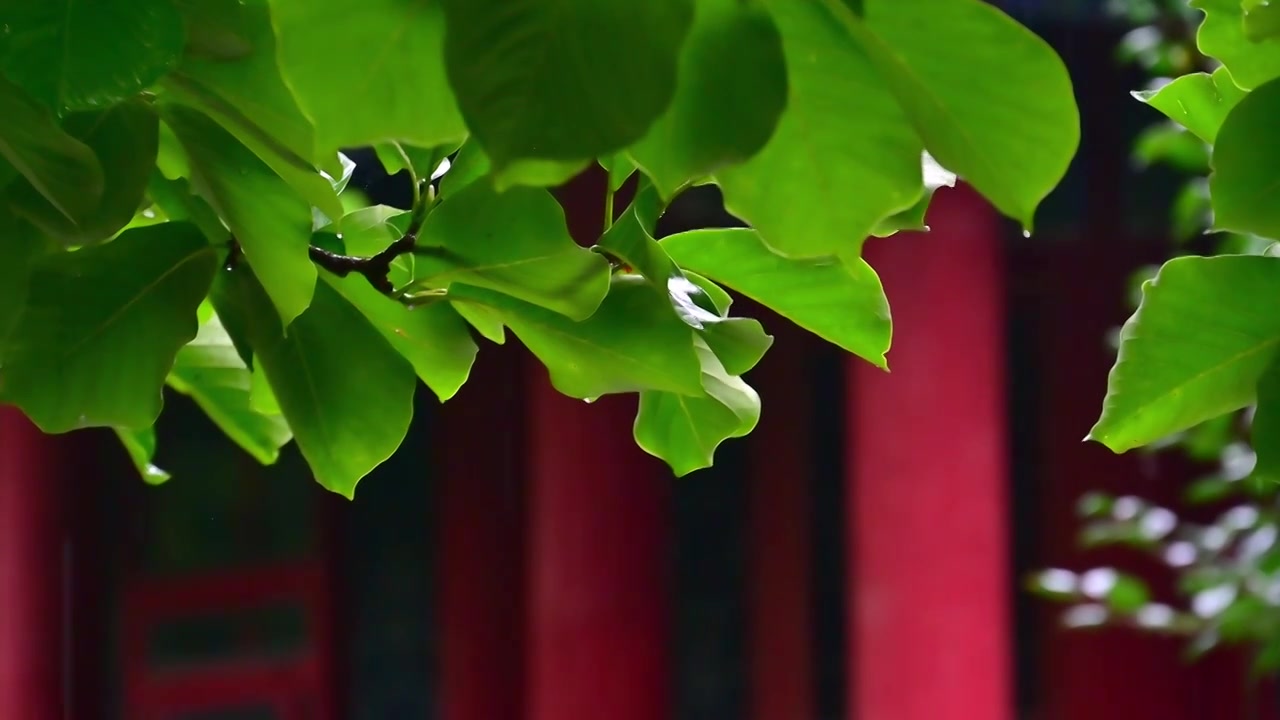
<point>608,206</point>
<point>377,268</point>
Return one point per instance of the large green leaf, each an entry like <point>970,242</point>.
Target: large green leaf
<point>1222,36</point>
<point>271,223</point>
<point>1243,187</point>
<point>64,170</point>
<point>562,79</point>
<point>1195,349</point>
<point>841,301</point>
<point>101,328</point>
<point>732,89</point>
<point>992,101</point>
<point>514,242</point>
<point>434,337</point>
<point>246,95</point>
<point>935,177</point>
<point>20,246</point>
<point>1266,425</point>
<point>88,55</point>
<point>141,447</point>
<point>633,341</point>
<point>124,138</point>
<point>394,89</point>
<point>211,372</point>
<point>843,156</point>
<point>473,164</point>
<point>738,342</point>
<point>1198,102</point>
<point>685,431</point>
<point>346,394</point>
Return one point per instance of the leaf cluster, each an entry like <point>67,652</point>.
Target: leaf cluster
<point>175,209</point>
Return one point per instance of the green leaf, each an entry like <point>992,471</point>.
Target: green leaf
<point>935,177</point>
<point>346,394</point>
<point>620,167</point>
<point>992,101</point>
<point>740,343</point>
<point>89,55</point>
<point>272,225</point>
<point>102,326</point>
<point>514,242</point>
<point>839,301</point>
<point>64,170</point>
<point>20,246</point>
<point>632,342</point>
<point>486,321</point>
<point>1198,101</point>
<point>141,446</point>
<point>421,162</point>
<point>685,431</point>
<point>473,164</point>
<point>562,79</point>
<point>1243,187</point>
<point>394,90</point>
<point>1194,350</point>
<point>211,372</point>
<point>1266,425</point>
<point>125,139</point>
<point>1261,20</point>
<point>434,338</point>
<point>843,156</point>
<point>247,97</point>
<point>1222,36</point>
<point>732,89</point>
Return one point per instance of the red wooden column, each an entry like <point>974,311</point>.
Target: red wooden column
<point>928,579</point>
<point>31,573</point>
<point>597,559</point>
<point>780,598</point>
<point>598,563</point>
<point>481,512</point>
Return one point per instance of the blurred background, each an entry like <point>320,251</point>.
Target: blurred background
<point>936,542</point>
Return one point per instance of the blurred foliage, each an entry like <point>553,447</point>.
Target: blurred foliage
<point>1227,569</point>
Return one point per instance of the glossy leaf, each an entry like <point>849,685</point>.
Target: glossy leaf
<point>935,177</point>
<point>514,242</point>
<point>1194,350</point>
<point>125,140</point>
<point>620,166</point>
<point>839,301</point>
<point>101,327</point>
<point>346,394</point>
<point>141,447</point>
<point>62,169</point>
<point>685,431</point>
<point>991,100</point>
<point>1222,36</point>
<point>732,89</point>
<point>1243,187</point>
<point>473,164</point>
<point>422,162</point>
<point>1198,101</point>
<point>211,372</point>
<point>843,156</point>
<point>89,55</point>
<point>632,342</point>
<point>246,95</point>
<point>272,225</point>
<point>562,79</point>
<point>433,338</point>
<point>393,90</point>
<point>20,246</point>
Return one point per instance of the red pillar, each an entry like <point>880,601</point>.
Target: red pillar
<point>781,681</point>
<point>481,512</point>
<point>928,579</point>
<point>31,573</point>
<point>598,562</point>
